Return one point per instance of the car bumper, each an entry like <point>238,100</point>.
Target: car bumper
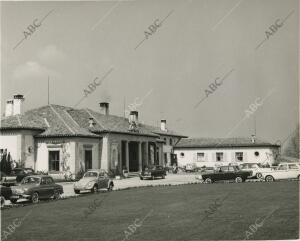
<point>82,188</point>
<point>146,175</point>
<point>20,196</point>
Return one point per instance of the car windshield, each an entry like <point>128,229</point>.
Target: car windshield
<point>251,165</point>
<point>150,168</point>
<point>28,180</point>
<point>91,174</point>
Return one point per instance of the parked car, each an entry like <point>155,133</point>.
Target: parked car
<point>16,176</point>
<point>205,170</point>
<point>282,171</point>
<point>191,167</point>
<point>226,173</point>
<point>93,180</point>
<point>255,168</point>
<point>36,187</point>
<point>5,194</point>
<point>152,172</point>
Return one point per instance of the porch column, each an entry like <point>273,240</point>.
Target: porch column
<point>127,155</point>
<point>140,155</point>
<point>146,153</point>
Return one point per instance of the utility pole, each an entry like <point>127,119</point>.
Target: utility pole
<point>48,91</point>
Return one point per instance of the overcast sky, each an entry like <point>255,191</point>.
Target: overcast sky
<point>169,72</point>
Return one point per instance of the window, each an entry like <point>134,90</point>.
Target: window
<point>181,154</point>
<point>293,167</point>
<point>200,157</point>
<point>239,156</point>
<point>224,169</point>
<point>219,156</point>
<point>49,180</point>
<point>282,168</point>
<point>256,153</point>
<point>231,169</point>
<point>171,141</point>
<point>53,160</point>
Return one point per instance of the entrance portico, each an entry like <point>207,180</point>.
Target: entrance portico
<point>136,155</point>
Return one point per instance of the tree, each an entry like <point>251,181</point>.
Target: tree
<point>291,147</point>
<point>3,162</point>
<point>8,164</point>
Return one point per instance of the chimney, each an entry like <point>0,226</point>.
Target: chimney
<point>253,139</point>
<point>9,109</point>
<point>104,108</point>
<point>91,122</point>
<point>134,117</point>
<point>18,104</point>
<point>163,125</point>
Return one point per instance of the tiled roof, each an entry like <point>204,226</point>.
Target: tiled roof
<point>158,131</point>
<point>221,142</point>
<point>56,120</point>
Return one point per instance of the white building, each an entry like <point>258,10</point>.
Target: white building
<point>211,152</point>
<point>56,138</point>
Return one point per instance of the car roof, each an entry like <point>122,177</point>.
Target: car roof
<point>96,170</point>
<point>39,176</point>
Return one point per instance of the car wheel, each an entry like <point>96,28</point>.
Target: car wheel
<point>94,189</point>
<point>110,188</point>
<point>35,197</point>
<point>77,191</point>
<point>238,179</point>
<point>258,175</point>
<point>56,194</point>
<point>208,180</point>
<point>141,178</point>
<point>269,179</point>
<point>13,201</point>
<point>2,201</point>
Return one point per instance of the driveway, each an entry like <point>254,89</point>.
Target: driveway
<point>171,179</point>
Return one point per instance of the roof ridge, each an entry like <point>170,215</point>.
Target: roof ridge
<point>88,111</point>
<point>52,108</point>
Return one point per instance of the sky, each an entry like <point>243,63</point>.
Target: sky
<point>196,63</point>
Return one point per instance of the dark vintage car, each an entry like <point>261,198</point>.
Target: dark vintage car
<point>36,187</point>
<point>226,173</point>
<point>152,172</point>
<point>5,194</point>
<point>16,176</point>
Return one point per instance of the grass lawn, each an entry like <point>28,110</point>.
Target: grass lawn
<point>174,213</point>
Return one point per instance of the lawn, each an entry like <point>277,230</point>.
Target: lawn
<point>168,213</point>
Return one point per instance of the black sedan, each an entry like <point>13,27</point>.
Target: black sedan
<point>36,187</point>
<point>226,173</point>
<point>5,194</point>
<point>152,172</point>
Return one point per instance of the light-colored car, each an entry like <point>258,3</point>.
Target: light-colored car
<point>255,168</point>
<point>93,180</point>
<point>191,167</point>
<point>283,171</point>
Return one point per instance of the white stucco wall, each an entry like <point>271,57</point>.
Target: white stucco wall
<point>20,144</point>
<point>10,142</point>
<point>74,152</point>
<point>190,155</point>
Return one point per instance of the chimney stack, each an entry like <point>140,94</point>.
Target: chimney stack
<point>134,117</point>
<point>104,108</point>
<point>9,109</point>
<point>18,104</point>
<point>253,139</point>
<point>163,125</point>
